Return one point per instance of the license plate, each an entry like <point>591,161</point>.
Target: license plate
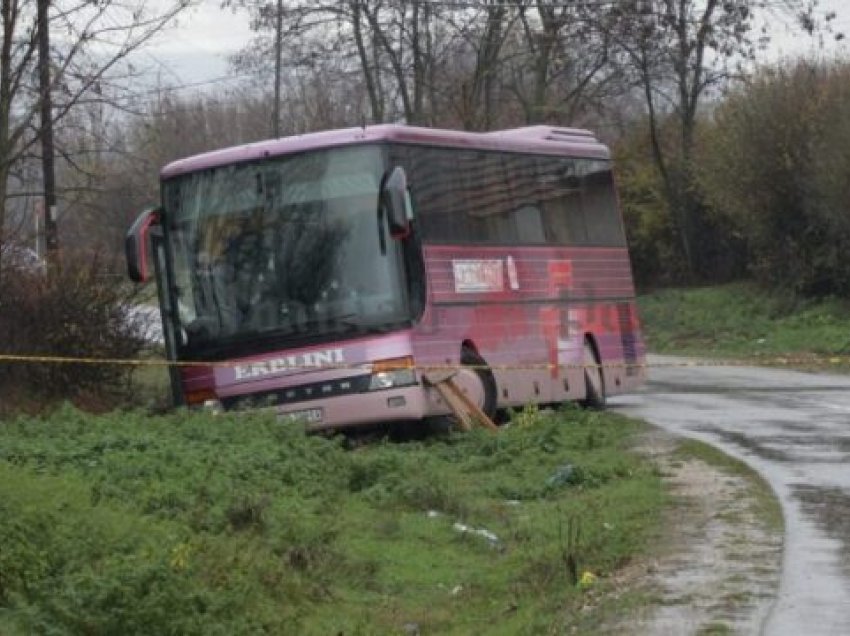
<point>311,416</point>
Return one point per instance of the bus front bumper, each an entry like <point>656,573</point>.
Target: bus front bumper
<point>395,404</point>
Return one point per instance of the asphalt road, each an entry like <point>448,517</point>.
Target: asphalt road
<point>794,429</point>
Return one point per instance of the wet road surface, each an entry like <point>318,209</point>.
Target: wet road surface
<point>794,429</point>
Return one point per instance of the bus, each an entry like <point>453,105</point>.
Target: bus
<point>336,277</point>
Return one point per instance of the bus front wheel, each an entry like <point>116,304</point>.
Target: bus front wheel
<point>593,379</point>
<point>484,394</point>
<point>469,357</point>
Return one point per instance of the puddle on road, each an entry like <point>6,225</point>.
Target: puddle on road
<point>828,442</point>
<point>812,449</point>
<point>750,444</point>
<point>795,427</point>
<point>830,509</point>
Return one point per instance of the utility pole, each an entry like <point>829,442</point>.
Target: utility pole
<point>278,46</point>
<point>51,236</point>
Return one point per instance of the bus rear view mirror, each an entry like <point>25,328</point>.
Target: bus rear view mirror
<point>136,245</point>
<point>396,202</point>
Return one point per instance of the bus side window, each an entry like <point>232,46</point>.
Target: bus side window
<point>560,188</point>
<point>600,205</point>
<point>529,225</point>
<point>489,202</point>
<point>437,188</point>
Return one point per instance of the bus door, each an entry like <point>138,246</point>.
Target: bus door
<point>166,311</point>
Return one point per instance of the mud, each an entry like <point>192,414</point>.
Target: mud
<point>719,569</point>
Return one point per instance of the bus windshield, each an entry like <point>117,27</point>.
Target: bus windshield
<point>291,247</point>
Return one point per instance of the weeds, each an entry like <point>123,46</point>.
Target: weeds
<point>571,547</point>
<point>192,524</point>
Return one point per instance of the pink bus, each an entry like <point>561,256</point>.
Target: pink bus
<point>326,275</point>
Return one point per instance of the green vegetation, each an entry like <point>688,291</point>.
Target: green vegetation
<point>740,320</point>
<point>71,311</point>
<point>197,524</point>
<point>773,165</point>
<point>766,506</point>
<point>765,182</point>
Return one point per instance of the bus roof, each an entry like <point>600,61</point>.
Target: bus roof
<point>530,139</point>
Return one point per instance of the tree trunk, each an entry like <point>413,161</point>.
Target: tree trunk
<point>371,88</point>
<point>395,63</point>
<point>6,14</point>
<point>418,64</point>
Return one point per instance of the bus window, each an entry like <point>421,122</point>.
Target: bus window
<point>560,190</point>
<point>599,204</point>
<point>529,225</point>
<point>484,197</point>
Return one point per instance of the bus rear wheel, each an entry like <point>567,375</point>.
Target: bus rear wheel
<point>593,379</point>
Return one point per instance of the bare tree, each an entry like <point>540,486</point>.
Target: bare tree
<point>397,49</point>
<point>560,63</point>
<point>108,160</point>
<point>90,45</point>
<point>680,53</point>
<point>475,65</point>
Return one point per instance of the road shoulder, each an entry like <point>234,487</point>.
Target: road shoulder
<point>718,562</point>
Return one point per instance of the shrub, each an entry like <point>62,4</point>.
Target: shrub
<point>71,310</point>
<point>777,166</point>
<point>654,247</point>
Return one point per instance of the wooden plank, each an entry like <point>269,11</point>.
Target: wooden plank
<point>471,407</point>
<point>455,405</point>
<point>465,410</point>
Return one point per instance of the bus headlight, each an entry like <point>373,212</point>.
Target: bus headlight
<point>212,406</point>
<point>205,399</point>
<point>388,374</point>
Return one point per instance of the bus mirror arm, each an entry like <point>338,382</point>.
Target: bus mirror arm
<point>394,200</point>
<point>136,245</point>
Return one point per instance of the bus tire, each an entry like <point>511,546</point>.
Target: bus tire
<point>594,381</point>
<point>469,357</point>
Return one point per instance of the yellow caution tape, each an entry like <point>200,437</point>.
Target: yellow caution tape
<point>141,362</point>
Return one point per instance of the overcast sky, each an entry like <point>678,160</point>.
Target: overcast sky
<point>196,49</point>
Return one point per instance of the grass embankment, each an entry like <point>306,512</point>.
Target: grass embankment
<point>189,524</point>
<point>742,321</point>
